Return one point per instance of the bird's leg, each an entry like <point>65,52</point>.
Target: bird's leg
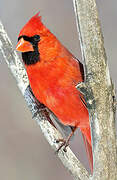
<point>40,108</point>
<point>65,142</point>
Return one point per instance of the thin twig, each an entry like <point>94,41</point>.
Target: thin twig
<point>68,159</point>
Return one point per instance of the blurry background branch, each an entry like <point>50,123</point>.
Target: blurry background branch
<point>98,84</point>
<point>68,159</point>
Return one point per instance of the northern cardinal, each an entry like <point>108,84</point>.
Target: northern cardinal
<point>53,74</point>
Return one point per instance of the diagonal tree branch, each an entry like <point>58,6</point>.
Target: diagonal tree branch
<point>68,159</point>
<point>99,84</point>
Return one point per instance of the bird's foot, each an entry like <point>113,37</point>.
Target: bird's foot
<point>40,108</point>
<point>65,143</point>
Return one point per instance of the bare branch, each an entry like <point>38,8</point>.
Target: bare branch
<point>102,114</point>
<point>68,159</point>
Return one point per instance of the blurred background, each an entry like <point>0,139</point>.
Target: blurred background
<point>24,152</point>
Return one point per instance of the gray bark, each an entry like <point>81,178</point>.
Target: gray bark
<point>98,89</point>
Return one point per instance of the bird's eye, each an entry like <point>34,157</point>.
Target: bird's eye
<point>36,38</point>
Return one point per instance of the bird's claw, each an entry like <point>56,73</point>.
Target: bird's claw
<point>40,109</point>
<point>64,144</point>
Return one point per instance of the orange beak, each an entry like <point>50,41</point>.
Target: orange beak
<point>24,46</point>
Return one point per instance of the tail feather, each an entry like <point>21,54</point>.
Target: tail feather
<point>87,141</point>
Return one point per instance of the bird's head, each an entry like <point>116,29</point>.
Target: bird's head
<point>35,41</point>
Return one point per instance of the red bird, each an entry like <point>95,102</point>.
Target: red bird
<point>53,74</point>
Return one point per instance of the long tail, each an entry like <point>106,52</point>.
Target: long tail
<point>87,141</point>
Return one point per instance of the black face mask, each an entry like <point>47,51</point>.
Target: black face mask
<point>31,57</point>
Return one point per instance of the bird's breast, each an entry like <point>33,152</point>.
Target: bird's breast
<point>54,86</point>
